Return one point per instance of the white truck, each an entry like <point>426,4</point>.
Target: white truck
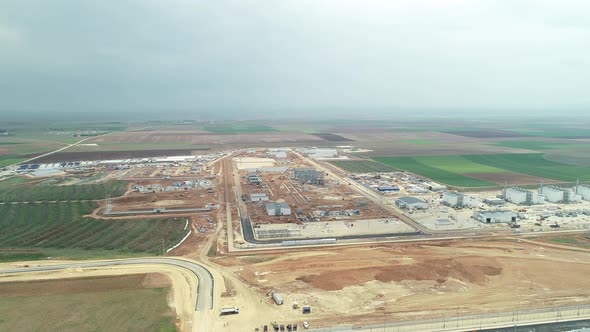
<point>230,311</point>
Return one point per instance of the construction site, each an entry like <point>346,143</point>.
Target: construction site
<point>287,198</point>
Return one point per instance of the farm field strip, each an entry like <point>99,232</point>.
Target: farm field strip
<point>361,166</point>
<point>63,226</point>
<point>463,170</point>
<point>24,193</point>
<point>425,167</point>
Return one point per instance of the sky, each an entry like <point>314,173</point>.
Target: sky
<point>297,57</point>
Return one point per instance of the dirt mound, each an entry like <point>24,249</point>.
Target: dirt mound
<point>465,269</point>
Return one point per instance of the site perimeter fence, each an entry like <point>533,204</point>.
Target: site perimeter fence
<point>476,322</point>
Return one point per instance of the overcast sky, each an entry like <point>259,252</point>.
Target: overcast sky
<point>160,55</point>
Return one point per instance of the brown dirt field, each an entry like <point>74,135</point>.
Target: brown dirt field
<point>83,285</point>
<point>199,138</point>
<point>511,178</point>
<point>183,198</point>
<point>421,280</point>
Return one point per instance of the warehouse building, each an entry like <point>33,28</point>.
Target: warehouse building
<point>521,196</point>
<point>492,217</point>
<point>584,191</point>
<point>278,209</point>
<point>259,197</point>
<point>411,203</point>
<point>559,195</point>
<point>458,200</point>
<point>387,189</point>
<point>309,176</point>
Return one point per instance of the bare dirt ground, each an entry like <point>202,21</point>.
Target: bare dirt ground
<point>415,281</point>
<point>204,138</point>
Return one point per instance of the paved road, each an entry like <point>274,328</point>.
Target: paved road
<point>205,286</point>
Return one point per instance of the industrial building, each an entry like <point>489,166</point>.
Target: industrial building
<point>411,203</point>
<point>458,200</point>
<point>498,216</point>
<point>433,186</point>
<point>320,153</point>
<point>521,196</point>
<point>559,195</point>
<point>387,189</point>
<point>308,175</point>
<point>584,191</point>
<point>254,178</point>
<point>259,197</point>
<point>278,209</point>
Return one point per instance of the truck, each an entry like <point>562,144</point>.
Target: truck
<point>230,311</point>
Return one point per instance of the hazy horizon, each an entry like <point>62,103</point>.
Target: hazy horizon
<point>295,59</point>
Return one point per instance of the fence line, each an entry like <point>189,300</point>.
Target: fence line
<point>476,322</point>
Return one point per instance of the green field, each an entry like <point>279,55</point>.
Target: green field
<point>449,172</point>
<point>361,166</point>
<point>419,141</point>
<point>539,145</point>
<point>462,170</point>
<point>120,303</point>
<point>63,226</point>
<point>533,164</point>
<point>22,192</point>
<point>9,160</point>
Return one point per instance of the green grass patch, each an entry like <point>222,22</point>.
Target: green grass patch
<point>212,252</point>
<point>63,226</point>
<point>419,141</point>
<point>361,166</point>
<point>27,193</point>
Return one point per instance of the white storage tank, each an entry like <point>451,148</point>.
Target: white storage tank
<point>277,298</point>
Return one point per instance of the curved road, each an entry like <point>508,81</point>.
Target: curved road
<point>205,287</point>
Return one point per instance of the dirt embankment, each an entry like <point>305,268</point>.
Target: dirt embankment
<point>466,269</point>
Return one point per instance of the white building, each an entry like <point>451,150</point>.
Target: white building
<point>320,153</point>
<point>259,197</point>
<point>498,216</point>
<point>411,203</point>
<point>559,195</point>
<point>522,196</point>
<point>584,191</point>
<point>455,199</point>
<point>278,209</point>
<point>433,186</point>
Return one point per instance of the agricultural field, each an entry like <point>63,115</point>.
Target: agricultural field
<point>533,164</point>
<point>361,166</point>
<point>237,128</point>
<point>64,226</point>
<point>9,160</point>
<point>136,302</point>
<point>539,145</point>
<point>427,166</point>
<point>486,170</point>
<point>23,192</point>
<point>419,141</point>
